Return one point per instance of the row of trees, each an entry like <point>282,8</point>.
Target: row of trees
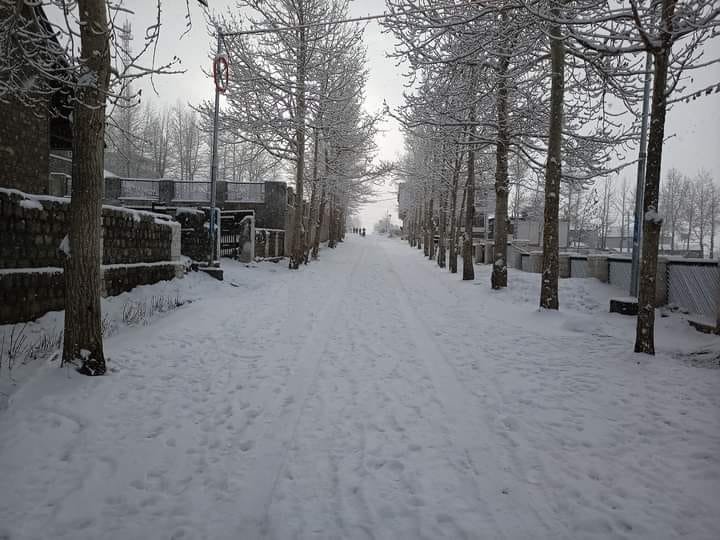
<point>296,93</point>
<point>691,210</point>
<point>547,88</point>
<point>153,142</point>
<point>71,58</point>
<point>600,216</point>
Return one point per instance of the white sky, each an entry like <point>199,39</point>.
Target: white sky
<point>695,125</point>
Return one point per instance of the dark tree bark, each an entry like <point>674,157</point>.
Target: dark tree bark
<point>318,228</point>
<point>645,331</point>
<point>297,251</point>
<point>498,279</point>
<point>332,223</point>
<point>83,274</point>
<point>312,214</point>
<point>468,268</point>
<point>431,229</point>
<point>452,263</point>
<point>442,250</point>
<point>418,226</point>
<point>553,173</point>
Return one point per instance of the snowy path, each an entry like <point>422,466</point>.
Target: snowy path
<point>407,405</point>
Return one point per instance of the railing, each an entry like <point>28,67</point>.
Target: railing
<point>192,191</point>
<point>246,192</point>
<point>269,243</point>
<point>694,286</point>
<point>139,189</point>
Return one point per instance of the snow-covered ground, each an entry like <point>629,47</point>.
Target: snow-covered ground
<point>370,395</point>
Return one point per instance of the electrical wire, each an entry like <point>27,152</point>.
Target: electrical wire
<point>366,18</point>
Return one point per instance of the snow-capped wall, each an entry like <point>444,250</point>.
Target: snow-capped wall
<point>137,250</point>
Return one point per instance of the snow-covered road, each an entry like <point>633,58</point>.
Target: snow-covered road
<point>370,395</point>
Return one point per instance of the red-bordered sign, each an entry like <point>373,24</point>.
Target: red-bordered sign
<point>221,73</point>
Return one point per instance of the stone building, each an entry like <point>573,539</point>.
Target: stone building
<point>29,134</point>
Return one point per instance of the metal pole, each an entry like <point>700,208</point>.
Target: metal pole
<point>213,167</point>
<point>640,189</point>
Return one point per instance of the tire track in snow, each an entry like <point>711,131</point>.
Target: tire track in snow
<point>270,452</point>
<point>458,403</point>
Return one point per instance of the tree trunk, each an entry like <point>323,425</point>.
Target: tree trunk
<point>553,173</point>
<point>468,269</point>
<point>717,307</point>
<point>453,215</point>
<point>431,229</point>
<point>312,214</point>
<point>644,337</point>
<point>442,253</point>
<point>498,279</point>
<point>296,252</point>
<point>713,209</point>
<point>331,221</point>
<point>418,226</point>
<point>83,274</point>
<point>341,226</point>
<point>318,228</point>
<point>672,236</point>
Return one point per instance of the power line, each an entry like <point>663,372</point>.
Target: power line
<point>697,94</point>
<point>338,22</point>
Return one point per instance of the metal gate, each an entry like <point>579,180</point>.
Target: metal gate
<point>237,234</point>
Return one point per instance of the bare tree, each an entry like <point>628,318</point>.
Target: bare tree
<point>86,57</point>
<point>275,81</point>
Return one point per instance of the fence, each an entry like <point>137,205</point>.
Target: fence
<point>237,235</point>
<point>250,192</point>
<point>269,243</point>
<point>694,286</point>
<point>139,189</point>
<point>192,191</point>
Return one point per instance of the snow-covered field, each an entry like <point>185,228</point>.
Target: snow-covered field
<point>370,395</point>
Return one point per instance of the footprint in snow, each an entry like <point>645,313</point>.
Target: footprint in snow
<point>247,445</point>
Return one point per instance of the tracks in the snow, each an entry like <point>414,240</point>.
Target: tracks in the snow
<point>487,462</point>
<point>284,409</point>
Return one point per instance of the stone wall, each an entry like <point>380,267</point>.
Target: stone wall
<point>134,237</point>
<point>31,230</point>
<point>24,147</point>
<point>117,280</point>
<point>138,248</point>
<point>25,296</point>
<point>195,233</point>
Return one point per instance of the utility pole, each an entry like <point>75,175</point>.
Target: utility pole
<point>219,65</point>
<point>640,189</point>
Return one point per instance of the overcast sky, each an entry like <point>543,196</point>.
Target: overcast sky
<point>695,126</point>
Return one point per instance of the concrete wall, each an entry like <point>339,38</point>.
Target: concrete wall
<point>531,231</point>
<point>270,214</point>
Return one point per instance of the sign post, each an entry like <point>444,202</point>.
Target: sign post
<point>220,78</point>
